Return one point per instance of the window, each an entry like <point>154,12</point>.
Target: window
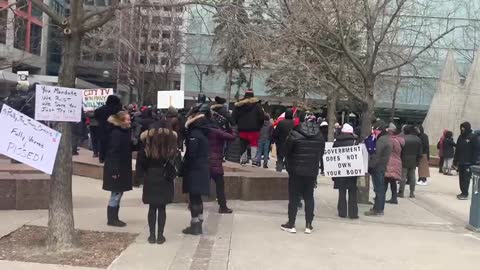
<point>176,62</point>
<point>154,47</point>
<point>154,61</point>
<point>167,8</point>
<point>99,57</point>
<point>166,35</point>
<point>179,9</point>
<point>178,21</point>
<point>164,61</point>
<point>86,56</point>
<point>143,46</point>
<point>145,19</point>
<point>3,26</point>
<point>177,85</point>
<point>165,47</point>
<point>19,33</point>
<point>35,39</point>
<point>167,20</point>
<point>100,3</point>
<point>155,33</point>
<point>142,59</point>
<point>109,57</point>
<point>156,20</point>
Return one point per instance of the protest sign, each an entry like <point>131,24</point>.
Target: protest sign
<point>59,104</point>
<point>165,99</point>
<point>27,140</point>
<point>344,161</point>
<point>95,98</point>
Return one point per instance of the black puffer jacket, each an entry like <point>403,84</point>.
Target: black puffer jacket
<point>412,151</point>
<point>465,152</point>
<point>248,115</point>
<point>304,147</point>
<point>448,146</point>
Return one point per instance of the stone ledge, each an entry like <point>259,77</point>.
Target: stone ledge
<point>24,191</point>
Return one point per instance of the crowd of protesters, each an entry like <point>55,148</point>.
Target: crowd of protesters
<point>206,134</point>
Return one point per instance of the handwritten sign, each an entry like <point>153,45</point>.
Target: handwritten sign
<point>95,98</point>
<point>165,99</point>
<point>27,140</point>
<point>60,104</point>
<point>344,161</point>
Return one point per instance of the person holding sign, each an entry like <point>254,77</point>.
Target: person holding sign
<point>117,172</point>
<point>303,149</point>
<point>346,184</point>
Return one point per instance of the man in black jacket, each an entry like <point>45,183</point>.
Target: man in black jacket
<point>280,135</point>
<point>248,115</point>
<point>411,154</point>
<point>464,158</point>
<point>303,148</point>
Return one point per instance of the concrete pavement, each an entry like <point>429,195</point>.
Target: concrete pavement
<point>423,233</point>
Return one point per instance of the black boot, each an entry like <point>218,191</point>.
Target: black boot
<point>117,220</point>
<point>112,217</point>
<point>194,229</point>
<point>225,210</point>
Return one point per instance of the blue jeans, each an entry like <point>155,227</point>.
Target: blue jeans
<point>263,148</point>
<point>115,198</point>
<point>378,179</point>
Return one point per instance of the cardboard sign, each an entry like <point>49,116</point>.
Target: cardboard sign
<point>27,140</point>
<point>344,161</point>
<point>59,104</point>
<point>95,98</point>
<point>175,99</point>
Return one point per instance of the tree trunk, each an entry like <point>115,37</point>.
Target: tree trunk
<point>332,113</point>
<point>229,87</point>
<point>368,114</point>
<point>60,233</point>
<point>394,95</point>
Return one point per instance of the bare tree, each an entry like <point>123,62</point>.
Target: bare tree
<point>382,25</point>
<point>60,233</point>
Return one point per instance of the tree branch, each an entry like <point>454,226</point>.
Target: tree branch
<point>57,18</point>
<point>415,56</point>
<point>8,6</point>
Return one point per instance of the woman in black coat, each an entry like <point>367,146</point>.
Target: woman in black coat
<point>157,160</point>
<point>344,184</point>
<point>117,172</point>
<point>196,170</point>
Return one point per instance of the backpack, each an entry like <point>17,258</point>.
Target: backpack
<point>219,119</point>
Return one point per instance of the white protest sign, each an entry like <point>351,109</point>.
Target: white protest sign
<point>95,98</point>
<point>344,161</point>
<point>27,140</point>
<point>175,99</point>
<point>59,104</point>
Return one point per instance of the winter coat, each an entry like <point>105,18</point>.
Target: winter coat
<point>425,144</point>
<point>172,117</point>
<point>343,140</point>
<point>440,144</point>
<point>378,161</point>
<point>465,152</point>
<point>216,143</point>
<point>158,187</point>
<point>412,152</point>
<point>303,149</point>
<point>248,115</point>
<point>394,166</point>
<point>118,160</point>
<point>196,168</point>
<point>448,148</point>
<point>266,131</point>
<point>281,133</point>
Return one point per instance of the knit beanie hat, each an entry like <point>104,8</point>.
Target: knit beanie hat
<point>347,128</point>
<point>249,93</point>
<point>220,100</point>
